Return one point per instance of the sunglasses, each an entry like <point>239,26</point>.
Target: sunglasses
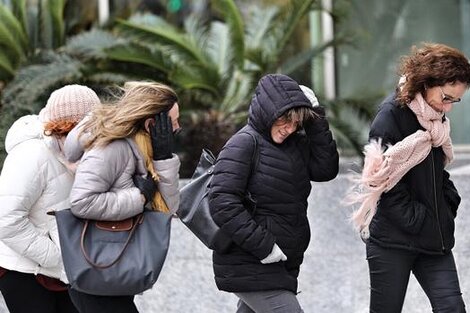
<point>446,99</point>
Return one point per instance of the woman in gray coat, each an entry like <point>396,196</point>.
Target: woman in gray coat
<point>127,164</point>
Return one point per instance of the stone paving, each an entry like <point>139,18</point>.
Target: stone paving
<point>333,278</point>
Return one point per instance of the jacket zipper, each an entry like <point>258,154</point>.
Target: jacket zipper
<point>435,200</point>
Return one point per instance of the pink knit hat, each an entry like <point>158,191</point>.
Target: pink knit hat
<point>71,103</point>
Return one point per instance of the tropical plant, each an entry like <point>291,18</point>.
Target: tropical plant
<point>213,64</point>
<point>216,64</point>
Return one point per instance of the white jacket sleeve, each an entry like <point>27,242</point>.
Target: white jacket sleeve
<point>168,171</point>
<point>21,184</point>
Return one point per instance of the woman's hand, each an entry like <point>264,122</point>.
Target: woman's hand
<point>147,187</point>
<point>161,134</point>
<point>276,255</point>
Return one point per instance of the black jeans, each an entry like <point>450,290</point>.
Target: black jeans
<point>23,294</point>
<point>389,271</point>
<point>87,303</point>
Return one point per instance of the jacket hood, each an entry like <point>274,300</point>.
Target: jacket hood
<point>274,95</point>
<point>25,128</point>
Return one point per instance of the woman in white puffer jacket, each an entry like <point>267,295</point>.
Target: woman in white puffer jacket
<point>36,179</point>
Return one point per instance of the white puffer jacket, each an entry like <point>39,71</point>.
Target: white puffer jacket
<point>33,180</point>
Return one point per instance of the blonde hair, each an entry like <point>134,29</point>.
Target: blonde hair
<point>125,117</point>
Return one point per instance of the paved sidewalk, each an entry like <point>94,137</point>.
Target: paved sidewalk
<point>333,278</point>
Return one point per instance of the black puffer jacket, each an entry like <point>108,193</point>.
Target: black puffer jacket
<point>280,185</point>
<point>418,213</point>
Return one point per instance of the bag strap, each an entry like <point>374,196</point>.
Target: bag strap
<point>138,220</point>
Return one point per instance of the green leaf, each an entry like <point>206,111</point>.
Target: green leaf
<point>32,82</point>
<point>56,11</point>
<point>19,10</point>
<point>296,10</point>
<point>236,26</point>
<point>164,36</point>
<point>138,54</point>
<point>295,62</point>
<point>259,24</point>
<point>218,48</point>
<point>92,44</point>
<point>192,80</point>
<point>12,36</point>
<point>6,68</point>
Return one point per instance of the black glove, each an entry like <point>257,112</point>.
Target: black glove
<point>318,123</point>
<point>161,134</point>
<point>147,187</point>
<point>319,111</point>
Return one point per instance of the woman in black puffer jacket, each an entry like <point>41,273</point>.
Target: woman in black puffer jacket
<point>412,229</point>
<point>289,137</point>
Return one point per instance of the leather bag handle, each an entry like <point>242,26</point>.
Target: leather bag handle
<point>138,220</point>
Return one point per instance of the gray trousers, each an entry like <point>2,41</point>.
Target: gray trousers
<point>272,301</point>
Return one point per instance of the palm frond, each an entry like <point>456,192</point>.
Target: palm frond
<point>218,48</point>
<point>133,53</point>
<point>238,93</point>
<point>92,44</point>
<point>295,11</point>
<point>194,77</point>
<point>32,82</point>
<point>9,31</point>
<point>259,23</point>
<point>196,31</point>
<point>6,67</point>
<point>109,78</point>
<point>347,136</point>
<point>163,36</point>
<point>296,61</point>
<point>234,20</point>
<point>19,10</point>
<point>56,11</point>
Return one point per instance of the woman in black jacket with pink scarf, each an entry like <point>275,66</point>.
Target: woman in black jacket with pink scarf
<point>288,135</point>
<point>408,202</point>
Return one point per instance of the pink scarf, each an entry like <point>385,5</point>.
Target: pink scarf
<point>384,169</point>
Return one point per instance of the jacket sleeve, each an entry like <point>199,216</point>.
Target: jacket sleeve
<point>323,162</point>
<point>227,191</point>
<point>21,184</point>
<point>168,172</point>
<point>92,196</point>
<point>451,194</point>
<point>397,206</point>
<point>74,143</point>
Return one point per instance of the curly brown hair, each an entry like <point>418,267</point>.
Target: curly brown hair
<point>430,66</point>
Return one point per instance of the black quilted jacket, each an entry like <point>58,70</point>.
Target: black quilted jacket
<point>418,213</point>
<point>280,185</point>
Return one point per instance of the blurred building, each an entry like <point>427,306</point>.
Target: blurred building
<point>385,31</point>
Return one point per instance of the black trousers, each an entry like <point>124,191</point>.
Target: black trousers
<point>87,303</point>
<point>390,269</point>
<point>23,294</point>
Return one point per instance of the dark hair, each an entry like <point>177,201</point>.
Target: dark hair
<point>430,66</point>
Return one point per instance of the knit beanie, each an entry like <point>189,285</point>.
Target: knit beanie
<point>71,103</point>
